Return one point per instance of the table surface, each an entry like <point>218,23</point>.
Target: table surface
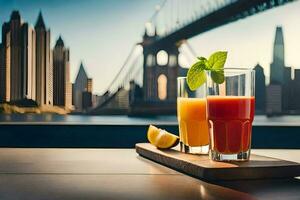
<point>122,174</point>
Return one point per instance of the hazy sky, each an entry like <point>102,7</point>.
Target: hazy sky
<point>101,33</point>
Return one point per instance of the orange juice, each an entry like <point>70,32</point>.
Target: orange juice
<point>193,126</point>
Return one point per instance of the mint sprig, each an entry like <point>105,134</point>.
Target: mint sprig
<point>196,75</point>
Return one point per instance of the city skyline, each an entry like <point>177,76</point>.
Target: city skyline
<point>282,94</point>
<point>32,73</point>
<point>100,20</point>
<point>242,47</point>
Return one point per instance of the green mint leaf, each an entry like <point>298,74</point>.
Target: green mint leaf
<point>205,62</point>
<point>218,76</point>
<point>196,75</point>
<point>217,60</point>
<point>216,63</point>
<point>202,58</point>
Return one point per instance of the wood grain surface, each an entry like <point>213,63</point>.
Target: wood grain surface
<point>200,166</point>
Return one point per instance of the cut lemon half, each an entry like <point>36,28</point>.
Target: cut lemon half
<point>161,138</point>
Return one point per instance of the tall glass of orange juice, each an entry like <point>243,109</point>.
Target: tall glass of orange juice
<point>191,114</point>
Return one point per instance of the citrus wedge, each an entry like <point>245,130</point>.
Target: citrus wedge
<point>161,138</point>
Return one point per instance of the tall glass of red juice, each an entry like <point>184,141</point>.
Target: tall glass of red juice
<point>230,113</point>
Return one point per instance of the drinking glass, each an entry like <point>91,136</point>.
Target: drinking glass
<point>230,113</point>
<point>191,114</point>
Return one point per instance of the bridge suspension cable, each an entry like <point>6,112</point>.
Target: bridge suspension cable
<point>125,74</point>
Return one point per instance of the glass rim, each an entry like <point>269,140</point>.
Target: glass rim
<point>181,77</point>
<point>238,69</point>
<point>227,69</point>
<point>230,69</point>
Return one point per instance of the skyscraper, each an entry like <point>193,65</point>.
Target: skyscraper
<point>274,99</point>
<point>82,85</point>
<point>2,73</point>
<point>44,79</point>
<point>277,66</point>
<point>279,90</point>
<point>287,90</point>
<point>87,96</point>
<point>28,60</point>
<point>5,66</point>
<point>18,43</point>
<point>62,91</point>
<point>260,89</point>
<point>89,85</point>
<point>12,31</point>
<point>295,95</point>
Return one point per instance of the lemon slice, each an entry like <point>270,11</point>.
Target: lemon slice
<point>161,138</point>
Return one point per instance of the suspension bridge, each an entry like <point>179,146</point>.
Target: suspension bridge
<point>146,82</point>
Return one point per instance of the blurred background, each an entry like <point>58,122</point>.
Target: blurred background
<point>95,59</point>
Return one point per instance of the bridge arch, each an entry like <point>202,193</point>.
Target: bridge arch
<point>162,58</point>
<point>150,60</point>
<point>162,87</point>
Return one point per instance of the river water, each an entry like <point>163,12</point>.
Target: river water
<point>259,120</point>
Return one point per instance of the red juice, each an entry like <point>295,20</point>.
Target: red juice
<point>230,122</point>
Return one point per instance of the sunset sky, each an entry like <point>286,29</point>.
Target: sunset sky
<point>101,33</point>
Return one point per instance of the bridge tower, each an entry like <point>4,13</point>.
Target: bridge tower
<point>161,69</point>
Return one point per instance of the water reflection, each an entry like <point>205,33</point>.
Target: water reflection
<point>121,119</point>
<point>124,119</point>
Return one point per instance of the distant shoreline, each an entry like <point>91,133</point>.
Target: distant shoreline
<point>14,109</point>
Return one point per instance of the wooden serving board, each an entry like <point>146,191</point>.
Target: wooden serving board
<point>200,166</point>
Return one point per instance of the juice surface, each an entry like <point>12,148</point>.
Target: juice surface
<point>230,120</point>
<point>193,126</point>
